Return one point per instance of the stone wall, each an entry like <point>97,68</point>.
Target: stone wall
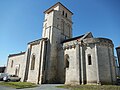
<point>105,63</point>
<point>99,69</point>
<point>118,54</point>
<point>92,69</point>
<point>16,62</point>
<point>72,72</point>
<point>37,49</point>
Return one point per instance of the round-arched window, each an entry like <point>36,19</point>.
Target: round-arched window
<point>33,62</point>
<point>66,58</point>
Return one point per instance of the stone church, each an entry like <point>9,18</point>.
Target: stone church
<point>60,58</point>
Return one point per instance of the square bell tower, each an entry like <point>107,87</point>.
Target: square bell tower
<point>60,18</point>
<point>57,27</point>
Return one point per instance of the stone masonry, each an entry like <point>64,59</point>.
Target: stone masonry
<point>59,58</point>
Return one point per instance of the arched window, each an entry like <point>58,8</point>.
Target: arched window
<point>66,15</point>
<point>12,64</point>
<point>33,62</point>
<point>66,58</point>
<point>63,13</point>
<point>89,60</point>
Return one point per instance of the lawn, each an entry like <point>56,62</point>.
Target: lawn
<point>18,85</point>
<point>91,87</point>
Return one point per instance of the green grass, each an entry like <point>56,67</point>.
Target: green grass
<point>91,87</point>
<point>18,85</point>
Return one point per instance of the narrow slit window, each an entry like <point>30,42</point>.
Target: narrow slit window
<point>63,13</point>
<point>66,15</point>
<point>33,63</point>
<point>89,60</point>
<point>12,64</point>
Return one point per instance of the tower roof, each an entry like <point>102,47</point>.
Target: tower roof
<point>58,3</point>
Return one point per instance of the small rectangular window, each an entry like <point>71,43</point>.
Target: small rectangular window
<point>89,60</point>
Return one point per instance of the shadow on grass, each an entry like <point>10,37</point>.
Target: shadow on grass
<point>91,87</point>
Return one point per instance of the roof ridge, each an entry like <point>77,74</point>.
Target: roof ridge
<point>10,55</point>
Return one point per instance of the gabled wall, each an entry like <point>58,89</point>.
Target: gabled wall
<point>16,62</point>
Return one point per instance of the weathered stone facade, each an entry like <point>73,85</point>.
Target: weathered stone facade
<point>59,58</point>
<point>99,70</point>
<point>15,64</point>
<point>118,54</point>
<point>118,59</point>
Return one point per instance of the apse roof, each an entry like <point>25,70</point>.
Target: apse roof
<point>118,47</point>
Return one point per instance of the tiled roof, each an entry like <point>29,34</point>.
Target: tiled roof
<point>67,40</point>
<point>11,55</point>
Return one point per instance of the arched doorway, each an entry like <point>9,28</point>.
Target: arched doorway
<point>66,65</point>
<point>17,67</point>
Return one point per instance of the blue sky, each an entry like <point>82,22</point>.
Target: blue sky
<point>21,21</point>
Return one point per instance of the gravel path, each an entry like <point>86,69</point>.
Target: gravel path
<point>40,87</point>
<point>6,88</point>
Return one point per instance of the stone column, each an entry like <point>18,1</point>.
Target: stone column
<point>97,65</point>
<point>78,64</point>
<point>39,71</point>
<point>82,65</point>
<point>26,64</point>
<point>42,64</point>
<point>112,65</point>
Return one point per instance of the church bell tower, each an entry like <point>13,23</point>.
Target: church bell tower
<point>57,27</point>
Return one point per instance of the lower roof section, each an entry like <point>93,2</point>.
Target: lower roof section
<point>21,53</point>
